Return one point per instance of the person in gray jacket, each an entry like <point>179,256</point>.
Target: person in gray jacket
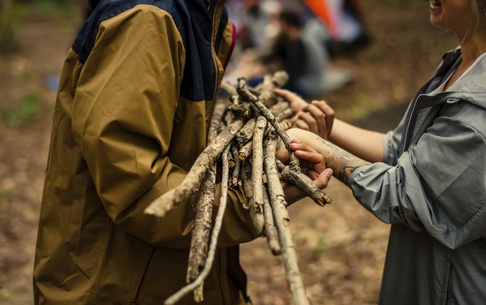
<point>427,177</point>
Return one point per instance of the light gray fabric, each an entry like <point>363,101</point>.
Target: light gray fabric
<point>431,186</point>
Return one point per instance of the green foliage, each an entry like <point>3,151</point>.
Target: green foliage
<point>25,111</point>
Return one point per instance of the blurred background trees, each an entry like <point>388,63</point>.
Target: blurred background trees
<point>13,11</point>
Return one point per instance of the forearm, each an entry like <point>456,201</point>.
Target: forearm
<point>365,144</point>
<point>342,162</point>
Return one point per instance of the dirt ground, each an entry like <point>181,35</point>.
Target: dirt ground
<point>340,248</point>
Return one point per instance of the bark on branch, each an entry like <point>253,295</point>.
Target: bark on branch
<point>277,201</point>
<point>191,183</point>
<point>214,237</point>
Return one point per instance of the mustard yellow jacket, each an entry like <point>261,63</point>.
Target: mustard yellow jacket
<point>132,113</point>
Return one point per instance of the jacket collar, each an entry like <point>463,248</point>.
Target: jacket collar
<point>469,88</point>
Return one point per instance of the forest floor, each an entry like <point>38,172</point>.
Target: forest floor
<point>340,247</point>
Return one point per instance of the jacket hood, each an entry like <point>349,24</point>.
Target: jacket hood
<point>201,25</point>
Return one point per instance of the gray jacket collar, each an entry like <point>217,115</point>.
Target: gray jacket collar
<point>470,88</point>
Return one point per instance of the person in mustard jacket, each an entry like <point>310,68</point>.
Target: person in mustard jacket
<point>132,113</point>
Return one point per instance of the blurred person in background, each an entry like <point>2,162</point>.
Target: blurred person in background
<point>427,177</point>
<point>132,113</point>
<point>301,56</point>
<point>255,28</point>
<point>300,51</point>
<point>345,23</point>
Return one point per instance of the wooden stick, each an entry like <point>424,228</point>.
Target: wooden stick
<point>246,176</point>
<point>214,237</point>
<point>204,208</point>
<point>217,118</point>
<point>280,78</point>
<point>270,230</point>
<point>299,179</point>
<point>266,92</point>
<point>231,158</point>
<point>317,195</point>
<point>246,133</point>
<point>248,96</point>
<point>279,107</point>
<point>256,211</point>
<point>201,230</point>
<point>257,161</point>
<point>270,82</point>
<point>226,86</point>
<point>191,183</point>
<point>235,181</point>
<point>245,151</point>
<point>284,114</point>
<point>277,201</point>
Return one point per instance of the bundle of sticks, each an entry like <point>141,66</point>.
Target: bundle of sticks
<point>243,137</point>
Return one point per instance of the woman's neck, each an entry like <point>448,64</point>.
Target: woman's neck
<point>472,47</point>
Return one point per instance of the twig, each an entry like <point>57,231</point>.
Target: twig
<point>256,211</point>
<point>303,182</point>
<point>257,161</point>
<point>235,181</point>
<point>277,201</point>
<point>246,133</point>
<point>280,78</point>
<point>310,189</point>
<point>279,107</point>
<point>270,82</point>
<point>214,237</point>
<point>229,88</point>
<point>248,96</point>
<point>270,229</point>
<point>201,230</point>
<point>246,176</point>
<point>191,183</point>
<point>245,151</point>
<point>284,114</point>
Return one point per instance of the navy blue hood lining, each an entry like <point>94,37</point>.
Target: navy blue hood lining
<point>194,21</point>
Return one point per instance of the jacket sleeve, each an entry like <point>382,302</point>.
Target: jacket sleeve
<point>438,185</point>
<point>124,108</point>
<point>393,143</point>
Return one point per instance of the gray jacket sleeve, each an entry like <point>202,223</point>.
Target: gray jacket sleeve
<point>437,185</point>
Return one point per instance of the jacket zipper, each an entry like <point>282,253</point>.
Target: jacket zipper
<point>218,66</point>
<point>214,33</point>
<point>448,64</point>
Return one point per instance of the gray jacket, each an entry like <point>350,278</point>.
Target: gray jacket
<point>431,186</point>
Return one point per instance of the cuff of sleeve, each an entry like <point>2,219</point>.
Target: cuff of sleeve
<point>357,173</point>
